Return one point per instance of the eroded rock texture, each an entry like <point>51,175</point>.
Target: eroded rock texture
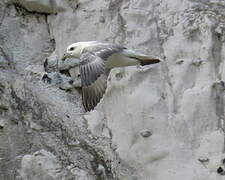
<point>164,121</point>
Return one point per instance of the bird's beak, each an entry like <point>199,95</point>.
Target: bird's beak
<point>65,56</point>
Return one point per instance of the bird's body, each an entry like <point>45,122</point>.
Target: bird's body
<point>96,61</point>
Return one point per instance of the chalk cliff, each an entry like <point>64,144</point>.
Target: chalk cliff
<point>164,121</point>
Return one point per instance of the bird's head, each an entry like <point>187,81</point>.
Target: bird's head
<point>75,50</point>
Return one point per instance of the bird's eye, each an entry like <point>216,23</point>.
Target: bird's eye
<point>71,49</point>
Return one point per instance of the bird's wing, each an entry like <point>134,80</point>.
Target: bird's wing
<point>91,67</point>
<point>104,50</point>
<point>94,73</point>
<point>93,79</point>
<point>92,94</point>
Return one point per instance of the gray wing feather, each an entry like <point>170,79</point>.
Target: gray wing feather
<point>104,50</point>
<point>93,61</point>
<point>94,73</point>
<point>91,67</point>
<point>91,95</point>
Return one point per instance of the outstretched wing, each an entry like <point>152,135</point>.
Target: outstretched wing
<point>92,94</point>
<point>94,73</point>
<point>93,79</point>
<point>91,67</point>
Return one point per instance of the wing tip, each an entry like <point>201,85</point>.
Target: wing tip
<point>150,61</point>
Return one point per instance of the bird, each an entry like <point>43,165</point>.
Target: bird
<point>96,59</point>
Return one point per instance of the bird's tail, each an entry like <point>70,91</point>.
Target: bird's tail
<point>142,58</point>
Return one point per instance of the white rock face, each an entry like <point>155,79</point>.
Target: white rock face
<point>42,164</point>
<point>164,121</point>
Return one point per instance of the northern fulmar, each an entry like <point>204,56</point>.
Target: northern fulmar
<point>96,59</point>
